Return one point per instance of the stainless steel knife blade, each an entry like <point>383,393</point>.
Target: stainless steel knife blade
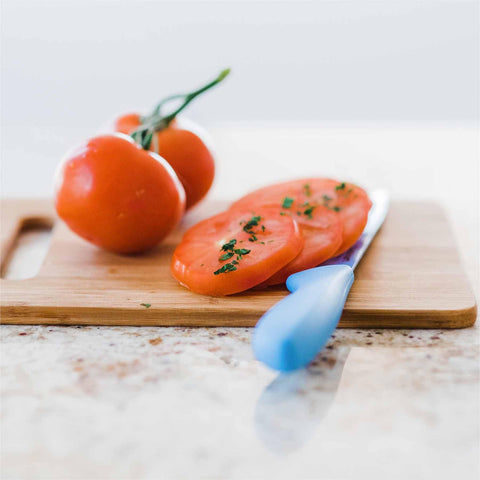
<point>376,216</point>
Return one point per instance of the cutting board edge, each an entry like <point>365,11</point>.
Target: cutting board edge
<point>376,319</point>
<point>421,319</point>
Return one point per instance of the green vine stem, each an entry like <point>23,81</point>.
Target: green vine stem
<point>163,102</point>
<point>156,122</point>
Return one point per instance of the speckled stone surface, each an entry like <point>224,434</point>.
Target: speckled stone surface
<point>175,403</point>
<point>128,402</point>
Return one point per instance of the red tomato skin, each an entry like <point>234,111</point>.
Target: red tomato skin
<point>117,196</point>
<point>184,150</point>
<point>127,123</point>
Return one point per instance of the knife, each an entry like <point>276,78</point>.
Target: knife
<point>291,333</point>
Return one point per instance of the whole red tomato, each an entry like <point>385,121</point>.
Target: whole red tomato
<point>118,196</point>
<point>184,150</point>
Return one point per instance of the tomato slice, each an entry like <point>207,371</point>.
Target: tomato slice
<point>349,202</point>
<point>235,250</point>
<point>321,230</point>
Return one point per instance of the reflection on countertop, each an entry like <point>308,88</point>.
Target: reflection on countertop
<point>291,407</point>
<point>133,402</point>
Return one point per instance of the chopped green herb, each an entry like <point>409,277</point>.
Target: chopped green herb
<point>308,212</point>
<point>287,202</point>
<point>253,222</point>
<point>146,305</point>
<point>299,213</point>
<point>340,187</point>
<point>263,243</point>
<point>336,209</point>
<point>242,251</point>
<point>327,198</point>
<point>229,245</point>
<point>263,228</point>
<point>228,267</point>
<point>283,213</point>
<point>306,190</point>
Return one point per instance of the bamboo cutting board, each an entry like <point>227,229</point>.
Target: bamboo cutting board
<point>410,277</point>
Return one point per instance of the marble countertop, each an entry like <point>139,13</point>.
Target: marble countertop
<point>132,402</point>
<point>167,403</point>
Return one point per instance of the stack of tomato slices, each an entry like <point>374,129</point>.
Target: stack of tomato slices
<point>270,234</point>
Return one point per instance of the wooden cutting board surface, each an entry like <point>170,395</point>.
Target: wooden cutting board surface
<point>410,277</point>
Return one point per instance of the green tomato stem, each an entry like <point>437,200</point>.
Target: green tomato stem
<point>156,122</point>
<point>163,102</point>
<point>191,96</point>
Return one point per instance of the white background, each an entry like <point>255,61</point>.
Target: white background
<point>77,62</point>
<point>67,66</point>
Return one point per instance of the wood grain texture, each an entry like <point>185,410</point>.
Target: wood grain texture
<point>411,277</point>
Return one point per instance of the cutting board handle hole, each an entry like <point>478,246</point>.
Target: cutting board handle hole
<point>28,249</point>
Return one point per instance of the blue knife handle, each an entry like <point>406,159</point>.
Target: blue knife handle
<point>293,331</point>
